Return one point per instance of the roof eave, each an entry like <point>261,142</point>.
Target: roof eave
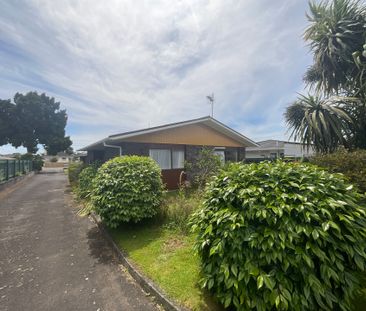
<point>206,120</point>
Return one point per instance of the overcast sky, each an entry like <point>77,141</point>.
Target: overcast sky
<point>120,65</point>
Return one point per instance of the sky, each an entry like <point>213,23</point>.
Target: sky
<point>122,65</point>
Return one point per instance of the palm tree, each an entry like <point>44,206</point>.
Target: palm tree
<point>319,122</point>
<point>336,31</point>
<point>336,114</point>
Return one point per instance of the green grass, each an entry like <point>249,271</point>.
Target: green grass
<point>167,258</point>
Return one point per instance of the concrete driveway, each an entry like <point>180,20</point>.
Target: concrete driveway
<point>52,259</point>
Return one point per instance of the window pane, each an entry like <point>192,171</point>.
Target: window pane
<point>221,154</point>
<point>273,155</point>
<point>178,158</point>
<point>162,157</point>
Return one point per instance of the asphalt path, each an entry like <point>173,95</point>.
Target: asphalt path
<point>53,259</point>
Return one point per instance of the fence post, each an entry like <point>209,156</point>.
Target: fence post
<point>7,170</point>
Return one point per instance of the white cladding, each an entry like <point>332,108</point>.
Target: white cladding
<point>277,149</point>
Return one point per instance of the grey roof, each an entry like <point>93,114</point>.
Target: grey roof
<point>272,144</point>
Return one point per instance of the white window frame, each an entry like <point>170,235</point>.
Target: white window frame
<point>165,167</point>
<point>171,152</point>
<point>179,165</point>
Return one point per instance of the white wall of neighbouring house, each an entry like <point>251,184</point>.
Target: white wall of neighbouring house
<point>60,159</point>
<point>257,154</point>
<point>297,150</point>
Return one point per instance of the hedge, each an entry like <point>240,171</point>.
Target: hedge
<point>351,164</point>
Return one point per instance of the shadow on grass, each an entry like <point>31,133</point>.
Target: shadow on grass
<point>131,237</point>
<point>210,303</point>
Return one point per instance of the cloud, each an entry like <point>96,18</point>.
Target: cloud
<point>121,65</point>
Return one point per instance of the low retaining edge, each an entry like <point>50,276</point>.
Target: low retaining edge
<point>146,284</point>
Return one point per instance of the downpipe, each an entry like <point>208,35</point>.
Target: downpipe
<point>114,146</point>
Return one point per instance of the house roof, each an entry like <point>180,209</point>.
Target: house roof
<point>274,141</point>
<point>272,144</point>
<point>208,121</point>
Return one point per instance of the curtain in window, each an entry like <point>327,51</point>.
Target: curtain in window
<point>221,154</point>
<point>162,157</point>
<point>178,158</point>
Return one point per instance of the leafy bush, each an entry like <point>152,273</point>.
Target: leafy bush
<point>73,171</point>
<point>281,236</point>
<point>127,189</point>
<point>206,164</point>
<point>351,164</point>
<point>54,159</point>
<point>37,162</point>
<point>86,176</point>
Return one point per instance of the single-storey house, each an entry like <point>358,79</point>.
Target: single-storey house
<point>60,157</point>
<point>273,149</point>
<point>172,144</point>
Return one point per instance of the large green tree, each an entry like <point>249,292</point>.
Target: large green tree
<point>31,120</point>
<point>6,121</point>
<point>336,114</point>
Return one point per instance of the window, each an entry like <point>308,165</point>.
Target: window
<point>162,157</point>
<point>273,155</point>
<point>220,153</point>
<point>167,158</point>
<point>178,158</point>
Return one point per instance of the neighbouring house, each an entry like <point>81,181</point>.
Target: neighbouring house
<point>172,144</point>
<point>273,149</point>
<point>60,157</point>
<point>79,156</point>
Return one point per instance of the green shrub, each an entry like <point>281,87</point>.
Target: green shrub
<point>54,159</point>
<point>37,162</point>
<point>85,185</point>
<point>73,172</point>
<point>205,165</point>
<point>127,189</point>
<point>281,236</point>
<point>351,164</point>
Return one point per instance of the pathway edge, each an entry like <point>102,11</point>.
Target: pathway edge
<point>145,283</point>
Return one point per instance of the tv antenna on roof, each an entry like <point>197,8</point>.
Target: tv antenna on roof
<point>211,100</point>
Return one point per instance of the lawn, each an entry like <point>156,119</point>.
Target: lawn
<point>166,257</point>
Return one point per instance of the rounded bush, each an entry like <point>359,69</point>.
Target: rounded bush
<point>281,236</point>
<point>127,189</point>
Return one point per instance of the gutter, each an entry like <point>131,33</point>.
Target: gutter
<point>113,146</point>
